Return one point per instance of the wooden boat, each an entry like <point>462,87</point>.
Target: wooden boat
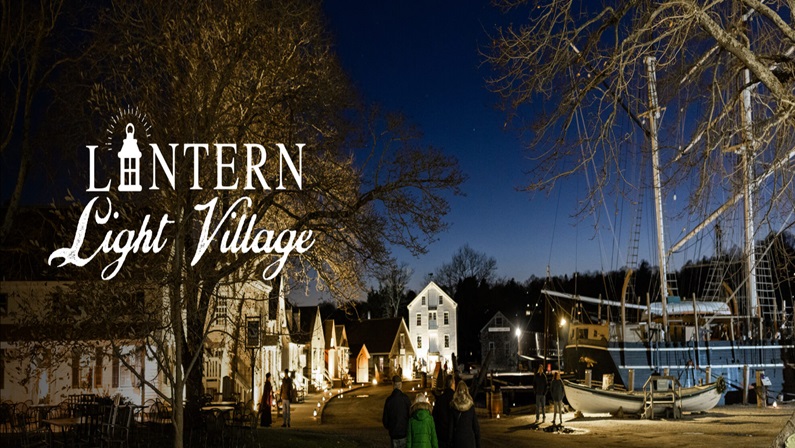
<point>659,394</point>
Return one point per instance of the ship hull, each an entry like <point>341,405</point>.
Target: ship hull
<point>687,361</point>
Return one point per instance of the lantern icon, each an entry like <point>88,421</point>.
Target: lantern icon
<point>130,162</point>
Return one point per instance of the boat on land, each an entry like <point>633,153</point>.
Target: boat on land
<point>662,395</point>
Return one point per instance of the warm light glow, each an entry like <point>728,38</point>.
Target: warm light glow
<point>375,382</point>
<point>518,332</point>
<point>775,404</point>
<point>314,413</point>
<point>562,321</point>
<point>498,416</point>
<point>318,404</point>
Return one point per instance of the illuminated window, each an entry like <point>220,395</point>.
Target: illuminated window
<point>220,309</point>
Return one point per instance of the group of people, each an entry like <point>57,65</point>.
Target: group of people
<point>555,388</point>
<point>287,393</point>
<point>450,422</point>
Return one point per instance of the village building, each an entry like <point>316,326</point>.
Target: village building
<point>36,366</point>
<point>307,330</point>
<point>380,349</point>
<point>500,337</point>
<point>234,340</point>
<point>336,352</point>
<point>432,317</point>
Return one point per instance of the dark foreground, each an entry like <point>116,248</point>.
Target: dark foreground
<point>354,420</point>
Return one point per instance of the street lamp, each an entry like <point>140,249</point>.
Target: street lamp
<point>518,346</point>
<point>562,325</point>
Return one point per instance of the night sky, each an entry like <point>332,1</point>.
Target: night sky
<point>422,59</point>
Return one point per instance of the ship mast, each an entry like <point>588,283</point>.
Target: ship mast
<point>654,117</point>
<point>747,157</point>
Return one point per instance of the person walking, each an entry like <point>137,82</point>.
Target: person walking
<point>540,388</point>
<point>422,431</point>
<point>266,403</point>
<point>396,414</point>
<point>286,393</point>
<point>464,429</point>
<point>557,392</point>
<point>441,412</point>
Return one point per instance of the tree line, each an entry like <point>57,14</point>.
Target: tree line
<point>480,294</point>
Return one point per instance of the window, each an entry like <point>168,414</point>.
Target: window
<point>75,369</point>
<point>432,316</point>
<point>402,341</point>
<point>98,367</point>
<point>447,341</point>
<point>419,341</point>
<point>498,321</point>
<point>447,318</point>
<point>491,345</point>
<point>3,304</point>
<point>423,300</point>
<point>114,372</point>
<point>220,309</point>
<point>419,319</point>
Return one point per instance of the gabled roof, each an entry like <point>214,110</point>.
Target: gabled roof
<point>329,334</point>
<point>304,325</point>
<point>342,336</point>
<point>379,334</point>
<point>424,292</point>
<point>507,323</point>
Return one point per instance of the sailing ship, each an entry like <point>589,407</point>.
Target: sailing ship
<point>735,331</point>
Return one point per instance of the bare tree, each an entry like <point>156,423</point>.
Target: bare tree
<point>33,50</point>
<point>255,72</point>
<point>466,263</point>
<point>583,67</point>
<point>392,282</point>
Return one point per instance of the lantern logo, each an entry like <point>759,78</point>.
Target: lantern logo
<point>130,162</point>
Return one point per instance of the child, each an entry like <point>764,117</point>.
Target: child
<point>422,431</point>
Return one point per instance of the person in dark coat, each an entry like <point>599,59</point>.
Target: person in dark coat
<point>286,393</point>
<point>442,410</point>
<point>557,392</point>
<point>422,431</point>
<point>396,414</point>
<point>540,388</point>
<point>266,403</point>
<point>464,429</point>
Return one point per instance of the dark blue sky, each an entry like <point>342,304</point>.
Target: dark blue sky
<point>421,58</point>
